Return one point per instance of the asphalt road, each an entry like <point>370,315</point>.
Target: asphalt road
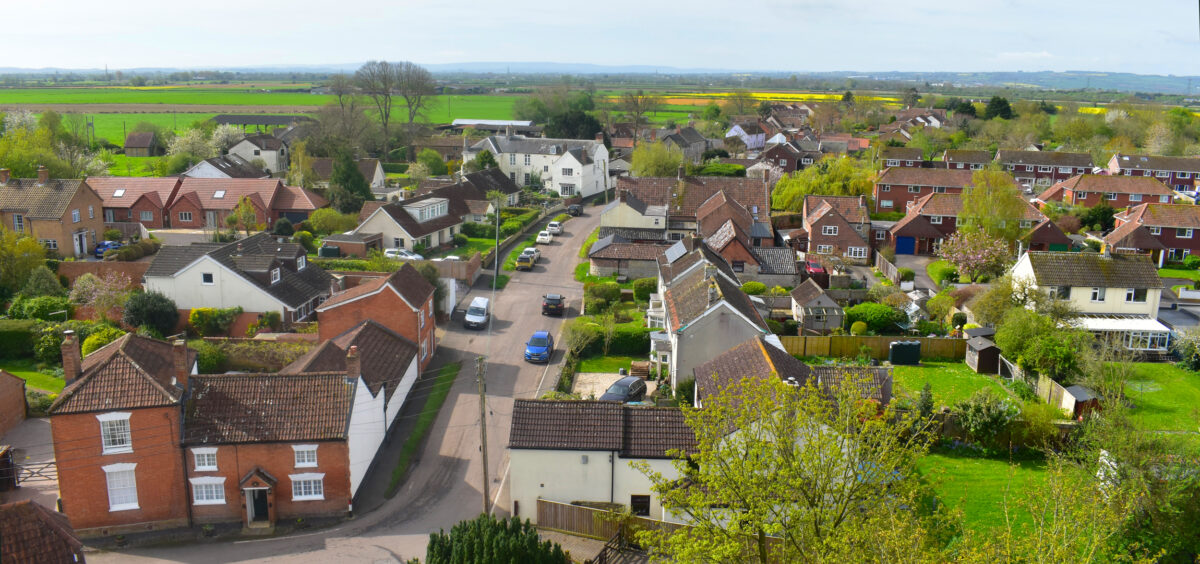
<point>445,485</point>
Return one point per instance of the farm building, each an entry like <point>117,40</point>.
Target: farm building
<point>141,144</point>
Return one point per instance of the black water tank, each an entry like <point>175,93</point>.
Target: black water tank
<point>329,251</point>
<point>904,352</point>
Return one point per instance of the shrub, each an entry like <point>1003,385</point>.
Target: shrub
<point>942,272</point>
<point>39,403</point>
<point>791,327</point>
<point>395,168</point>
<point>208,322</point>
<point>685,391</point>
<point>48,345</point>
<point>607,291</point>
<point>17,337</point>
<point>101,337</point>
<point>985,416</point>
<point>305,239</point>
<point>930,328</point>
<point>958,320</point>
<point>283,227</point>
<point>268,320</point>
<point>151,309</point>
<point>939,306</point>
<point>460,240</point>
<point>594,306</point>
<point>906,274</point>
<point>479,230</point>
<point>130,253</point>
<point>775,326</point>
<point>210,359</point>
<point>858,328</point>
<point>880,292</point>
<point>1191,261</point>
<point>489,539</point>
<point>510,228</point>
<point>878,317</point>
<point>754,288</point>
<point>112,235</point>
<point>43,282</point>
<point>45,308</point>
<point>643,287</point>
<point>329,220</point>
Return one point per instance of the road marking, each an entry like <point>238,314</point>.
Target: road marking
<point>501,487</point>
<point>557,338</point>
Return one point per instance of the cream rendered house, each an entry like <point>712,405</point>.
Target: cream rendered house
<point>629,212</point>
<point>570,167</point>
<point>425,222</point>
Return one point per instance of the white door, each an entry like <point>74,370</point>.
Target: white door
<point>81,243</point>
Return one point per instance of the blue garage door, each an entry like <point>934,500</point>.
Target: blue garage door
<point>905,245</point>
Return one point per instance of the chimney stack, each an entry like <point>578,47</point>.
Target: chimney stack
<point>600,137</point>
<point>71,359</point>
<point>179,355</point>
<point>353,363</point>
<point>508,131</point>
<point>3,176</point>
<point>679,172</point>
<point>43,174</point>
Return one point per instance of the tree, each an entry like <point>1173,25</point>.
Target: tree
<point>993,204</point>
<point>576,336</point>
<point>101,294</point>
<point>192,144</point>
<point>985,415</point>
<point>283,227</point>
<point>378,80</point>
<point>151,309</point>
<point>974,253</point>
<point>486,159</point>
<point>42,282</point>
<point>244,216</point>
<point>656,160</point>
<point>573,124</point>
<point>827,177</point>
<point>486,539</point>
<point>711,112</point>
<point>430,274</point>
<point>19,255</point>
<point>637,104</point>
<point>225,136</point>
<point>1100,214</point>
<point>415,84</point>
<point>345,201</point>
<point>804,465</point>
<point>738,103</point>
<point>432,160</point>
<point>346,175</point>
<point>998,107</point>
<point>911,97</point>
<point>300,172</point>
<point>764,109</point>
<point>1160,140</point>
<point>848,99</point>
<point>878,317</point>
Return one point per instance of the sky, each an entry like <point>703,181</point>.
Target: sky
<point>1146,37</point>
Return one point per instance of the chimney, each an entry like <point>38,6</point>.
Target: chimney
<point>179,355</point>
<point>43,174</point>
<point>3,176</point>
<point>679,172</point>
<point>334,287</point>
<point>654,135</point>
<point>353,363</point>
<point>508,131</point>
<point>72,362</point>
<point>600,137</point>
<point>239,249</point>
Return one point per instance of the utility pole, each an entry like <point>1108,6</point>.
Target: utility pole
<point>479,369</point>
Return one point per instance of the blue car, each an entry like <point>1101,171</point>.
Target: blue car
<point>540,347</point>
<point>106,245</point>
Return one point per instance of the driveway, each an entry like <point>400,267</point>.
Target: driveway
<point>32,445</point>
<point>918,263</point>
<point>445,484</point>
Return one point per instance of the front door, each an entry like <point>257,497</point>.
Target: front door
<point>257,509</point>
<point>81,243</point>
<point>210,219</point>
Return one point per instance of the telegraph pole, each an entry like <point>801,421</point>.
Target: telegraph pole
<point>479,368</point>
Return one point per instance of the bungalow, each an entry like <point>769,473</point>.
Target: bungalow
<point>422,223</point>
<point>227,166</point>
<point>962,159</point>
<point>63,214</point>
<point>267,148</point>
<point>898,186</point>
<point>144,200</point>
<point>1089,190</point>
<point>1043,168</point>
<point>614,255</point>
<point>813,310</point>
<point>1168,232</point>
<point>1179,173</point>
<point>907,157</point>
<point>838,225</point>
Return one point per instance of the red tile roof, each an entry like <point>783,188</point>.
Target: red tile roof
<point>248,408</point>
<point>297,198</point>
<point>128,373</point>
<point>159,190</point>
<point>684,198</point>
<point>260,190</point>
<point>32,533</point>
<point>385,356</point>
<point>406,281</point>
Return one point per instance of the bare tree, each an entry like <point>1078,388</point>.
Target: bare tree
<point>637,105</point>
<point>343,87</point>
<point>378,80</point>
<point>415,86</point>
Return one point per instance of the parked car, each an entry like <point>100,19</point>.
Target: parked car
<point>526,260</point>
<point>477,313</point>
<point>554,228</point>
<point>544,238</point>
<point>553,304</point>
<point>403,254</point>
<point>575,210</point>
<point>449,258</point>
<point>813,267</point>
<point>532,251</point>
<point>540,347</point>
<point>629,388</point>
<point>104,246</point>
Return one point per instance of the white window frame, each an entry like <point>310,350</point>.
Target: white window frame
<point>185,216</point>
<point>935,219</point>
<point>914,189</point>
<point>885,188</point>
<point>301,262</point>
<point>893,162</point>
<point>857,252</point>
<point>18,223</point>
<point>206,495</point>
<point>1183,232</point>
<point>824,249</point>
<point>1110,195</point>
<point>1161,173</point>
<point>526,160</point>
<point>275,275</point>
<point>121,471</point>
<point>74,216</point>
<point>201,457</point>
<point>1099,294</point>
<point>1131,296</point>
<point>783,163</point>
<point>1028,168</point>
<point>1183,175</point>
<point>146,215</point>
<point>302,461</point>
<point>880,234</point>
<point>806,161</point>
<point>976,166</point>
<point>1045,169</point>
<point>568,172</point>
<point>512,159</point>
<point>114,419</point>
<point>1064,169</point>
<point>312,477</point>
<point>1164,199</point>
<point>829,230</point>
<point>1026,223</point>
<point>91,212</point>
<point>1155,230</point>
<point>885,203</point>
<point>1135,197</point>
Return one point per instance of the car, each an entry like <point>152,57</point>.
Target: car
<point>813,267</point>
<point>575,210</point>
<point>627,389</point>
<point>553,304</point>
<point>477,314</point>
<point>448,258</point>
<point>544,237</point>
<point>532,251</point>
<point>404,254</point>
<point>554,228</point>
<point>526,260</point>
<point>104,246</point>
<point>540,347</point>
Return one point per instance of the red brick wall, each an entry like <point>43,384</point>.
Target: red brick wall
<point>1095,198</point>
<point>134,270</point>
<point>160,475</point>
<point>387,309</point>
<point>900,196</point>
<point>12,402</point>
<point>144,204</point>
<point>183,205</point>
<point>278,460</point>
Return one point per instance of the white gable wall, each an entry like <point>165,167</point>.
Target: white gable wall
<point>564,476</point>
<point>228,289</point>
<point>367,429</point>
<point>402,390</point>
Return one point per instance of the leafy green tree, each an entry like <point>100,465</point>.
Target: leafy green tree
<point>486,159</point>
<point>345,175</point>
<point>244,216</point>
<point>998,107</point>
<point>431,159</point>
<point>738,103</point>
<point>878,317</point>
<point>430,274</point>
<point>283,226</point>
<point>848,99</point>
<point>152,309</point>
<point>42,282</point>
<point>485,540</point>
<point>99,338</point>
<point>711,112</point>
<point>326,221</point>
<point>828,177</point>
<point>993,203</point>
<point>191,143</point>
<point>573,124</point>
<point>1101,214</point>
<point>985,416</point>
<point>20,255</point>
<point>655,160</point>
<point>764,109</point>
<point>911,97</point>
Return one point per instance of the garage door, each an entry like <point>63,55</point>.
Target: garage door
<point>905,245</point>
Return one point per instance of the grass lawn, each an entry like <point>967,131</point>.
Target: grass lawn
<point>951,382</point>
<point>609,364</point>
<point>27,370</point>
<point>465,252</point>
<point>1179,273</point>
<point>131,166</point>
<point>1165,397</point>
<point>939,270</point>
<point>510,263</point>
<point>979,485</point>
<point>441,388</point>
<point>581,275</point>
<point>587,243</point>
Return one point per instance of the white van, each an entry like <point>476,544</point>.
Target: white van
<point>477,314</point>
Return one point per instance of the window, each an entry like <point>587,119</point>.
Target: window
<point>1082,195</point>
<point>885,188</point>
<point>976,167</point>
<point>1026,223</point>
<point>424,350</point>
<point>893,162</point>
<point>512,176</point>
<point>1060,292</point>
<point>206,278</point>
<point>420,321</point>
<point>885,203</point>
<point>857,252</point>
<point>1135,197</point>
<point>639,505</point>
<point>209,490</point>
<point>1135,295</point>
<point>568,172</point>
<point>74,216</point>
<point>205,458</point>
<point>257,152</point>
<point>307,487</point>
<point>1079,170</point>
<point>1127,172</point>
<point>958,165</point>
<point>1110,195</point>
<point>91,212</point>
<point>18,223</point>
<point>122,486</point>
<point>114,432</point>
<point>824,249</point>
<point>306,455</point>
<point>566,189</point>
<point>1183,232</point>
<point>1028,168</point>
<point>397,243</point>
<point>935,219</point>
<point>1044,169</point>
<point>739,266</point>
<point>51,244</point>
<point>939,190</point>
<point>829,230</point>
<point>1156,230</point>
<point>512,159</point>
<point>806,161</point>
<point>880,234</point>
<point>1164,199</point>
<point>301,262</point>
<point>545,168</point>
<point>676,236</point>
<point>1098,294</point>
<point>146,216</point>
<point>527,179</point>
<point>914,189</point>
<point>1064,169</point>
<point>783,163</point>
<point>526,160</point>
<point>219,194</point>
<point>274,275</point>
<point>185,216</point>
<point>1183,175</point>
<point>119,192</point>
<point>1161,173</point>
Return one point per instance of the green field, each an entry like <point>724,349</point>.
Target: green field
<point>182,95</point>
<point>130,166</point>
<point>950,382</point>
<point>979,485</point>
<point>1165,397</point>
<point>25,370</point>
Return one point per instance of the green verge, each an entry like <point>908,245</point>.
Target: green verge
<point>433,404</point>
<point>27,371</point>
<point>510,264</point>
<point>502,281</point>
<point>587,243</point>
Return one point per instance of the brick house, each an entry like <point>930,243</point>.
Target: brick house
<point>965,159</point>
<point>1179,173</point>
<point>12,402</point>
<point>63,214</point>
<point>614,255</point>
<point>401,302</point>
<point>730,230</point>
<point>681,197</point>
<point>1043,168</point>
<point>838,225</point>
<point>898,186</point>
<point>205,202</point>
<point>936,216</point>
<point>1168,232</point>
<point>33,533</point>
<point>793,155</point>
<point>144,200</point>
<point>906,157</point>
<point>1089,190</point>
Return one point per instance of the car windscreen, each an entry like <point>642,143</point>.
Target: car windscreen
<point>553,301</point>
<point>476,311</point>
<point>539,342</point>
<point>618,388</point>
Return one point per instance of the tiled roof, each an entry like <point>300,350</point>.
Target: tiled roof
<point>915,225</point>
<point>875,381</point>
<point>693,294</point>
<point>261,190</point>
<point>753,358</point>
<point>1047,232</point>
<point>852,208</point>
<point>1094,269</point>
<point>950,205</point>
<point>134,187</point>
<point>1132,235</point>
<point>498,144</point>
<point>406,281</point>
<point>684,198</point>
<point>775,260</point>
<point>297,198</point>
<point>385,356</point>
<point>1044,158</point>
<point>1116,183</point>
<point>33,533</point>
<point>490,179</point>
<point>634,233</point>
<point>128,373</point>
<point>1149,162</point>
<point>677,258</point>
<point>806,292</point>
<point>139,140</point>
<point>612,247</point>
<point>234,166</point>
<point>40,201</point>
<point>322,168</point>
<point>966,156</point>
<point>636,204</point>
<point>902,154</point>
<point>1164,215</point>
<point>634,431</point>
<point>909,176</point>
<point>265,142</point>
<point>725,234</point>
<point>456,208</point>
<point>170,258</point>
<point>718,210</point>
<point>247,408</point>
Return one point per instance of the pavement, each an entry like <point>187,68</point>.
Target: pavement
<point>32,444</point>
<point>918,263</point>
<point>594,384</point>
<point>445,483</point>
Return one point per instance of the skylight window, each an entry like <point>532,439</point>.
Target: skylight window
<point>120,192</point>
<point>220,194</point>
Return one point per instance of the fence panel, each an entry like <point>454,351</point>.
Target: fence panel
<point>576,519</point>
<point>849,346</point>
<point>887,268</point>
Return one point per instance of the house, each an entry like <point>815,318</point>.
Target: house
<point>1168,232</point>
<point>206,202</point>
<point>896,187</point>
<point>614,255</point>
<point>1179,173</point>
<point>963,159</point>
<point>33,533</point>
<point>907,157</point>
<point>448,147</point>
<point>425,222</point>
<point>569,451</point>
<point>1089,190</point>
<point>747,244</point>
<point>814,311</point>
<point>838,225</point>
<point>258,274</point>
<point>793,155</point>
<point>128,199</point>
<point>751,135</point>
<point>371,169</point>
<point>268,148</point>
<point>63,214</point>
<point>983,356</point>
<point>688,141</point>
<point>628,211</point>
<point>141,144</point>
<point>1043,168</point>
<point>401,302</point>
<point>570,167</point>
<point>936,216</point>
<point>12,402</point>
<point>227,166</point>
<point>682,196</point>
<point>1116,295</point>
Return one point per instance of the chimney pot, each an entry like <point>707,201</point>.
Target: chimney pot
<point>353,363</point>
<point>43,174</point>
<point>679,172</point>
<point>179,355</point>
<point>72,359</point>
<point>4,175</point>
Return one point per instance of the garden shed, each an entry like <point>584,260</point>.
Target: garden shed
<point>983,356</point>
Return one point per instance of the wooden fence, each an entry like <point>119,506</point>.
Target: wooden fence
<point>887,268</point>
<point>850,345</point>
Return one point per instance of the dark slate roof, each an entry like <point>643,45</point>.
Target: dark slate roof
<point>249,408</point>
<point>534,145</point>
<point>234,166</point>
<point>139,140</point>
<point>775,260</point>
<point>384,354</point>
<point>980,332</point>
<point>1094,269</point>
<point>980,343</point>
<point>762,230</point>
<point>966,156</point>
<point>456,208</point>
<point>1149,162</point>
<point>753,358</point>
<point>40,201</point>
<point>679,257</point>
<point>33,533</point>
<point>406,281</point>
<point>265,142</point>
<point>490,179</point>
<point>170,258</point>
<point>901,153</point>
<point>635,432</point>
<point>634,233</point>
<point>1044,158</point>
<point>806,292</point>
<point>128,373</point>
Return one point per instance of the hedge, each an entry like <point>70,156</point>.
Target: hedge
<point>878,317</point>
<point>17,337</point>
<point>643,287</point>
<point>395,168</point>
<point>45,308</point>
<point>627,341</point>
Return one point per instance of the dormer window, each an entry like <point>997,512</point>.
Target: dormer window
<point>120,192</point>
<point>219,194</point>
<point>274,275</point>
<point>300,262</point>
